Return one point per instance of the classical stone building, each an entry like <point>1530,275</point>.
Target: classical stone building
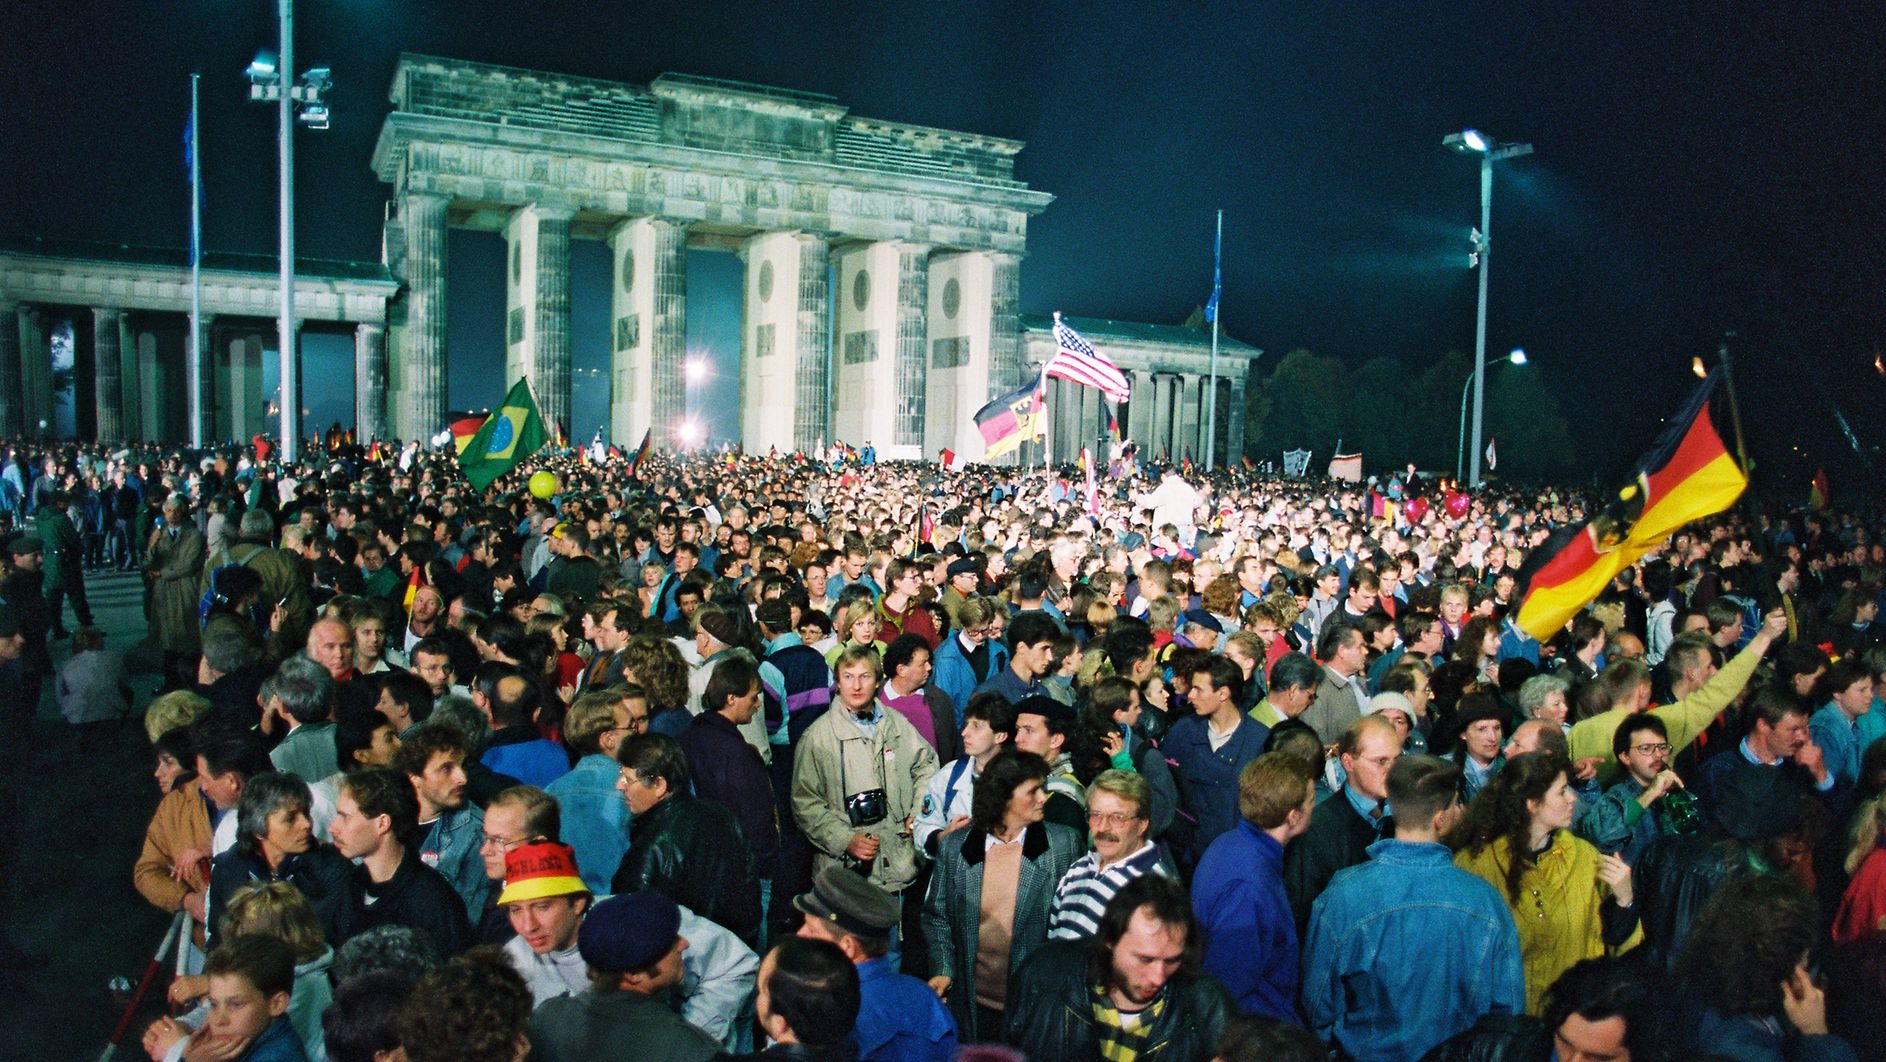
<point>882,259</point>
<point>1168,367</point>
<point>130,312</point>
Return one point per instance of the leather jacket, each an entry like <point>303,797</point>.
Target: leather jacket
<point>694,852</point>
<point>1050,1012</point>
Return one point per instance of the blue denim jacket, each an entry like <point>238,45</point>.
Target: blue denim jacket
<point>449,845</point>
<point>595,818</point>
<point>1407,950</point>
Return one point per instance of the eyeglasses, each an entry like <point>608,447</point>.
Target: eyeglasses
<point>1104,818</point>
<point>502,844</point>
<point>1656,748</point>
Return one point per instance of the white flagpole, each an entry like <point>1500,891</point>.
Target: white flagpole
<point>194,391</point>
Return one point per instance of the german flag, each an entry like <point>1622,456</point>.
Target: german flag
<point>1011,420</point>
<point>463,428</point>
<point>641,452</point>
<point>1820,496</point>
<point>1686,476</point>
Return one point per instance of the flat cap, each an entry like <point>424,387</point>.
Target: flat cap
<point>857,906</point>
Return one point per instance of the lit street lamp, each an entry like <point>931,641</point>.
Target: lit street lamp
<point>268,83</point>
<point>1517,357</point>
<point>1473,142</point>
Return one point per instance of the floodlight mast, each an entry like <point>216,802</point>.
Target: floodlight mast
<point>1474,142</point>
<point>268,76</point>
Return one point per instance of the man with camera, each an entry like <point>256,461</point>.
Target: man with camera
<point>858,778</point>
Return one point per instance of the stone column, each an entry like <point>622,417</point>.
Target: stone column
<point>422,370</point>
<point>1005,325</point>
<point>159,414</point>
<point>131,370</point>
<point>12,404</point>
<point>108,372</point>
<point>537,324</point>
<point>669,326</point>
<point>811,415</point>
<point>1187,416</point>
<point>35,373</point>
<point>203,432</point>
<point>1232,412</point>
<point>369,382</point>
<point>1159,438</point>
<point>913,333</point>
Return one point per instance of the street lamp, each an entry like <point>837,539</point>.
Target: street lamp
<point>1517,357</point>
<point>1473,142</point>
<point>268,83</point>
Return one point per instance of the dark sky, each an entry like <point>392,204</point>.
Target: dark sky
<point>1700,167</point>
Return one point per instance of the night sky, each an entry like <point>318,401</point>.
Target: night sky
<point>1699,168</point>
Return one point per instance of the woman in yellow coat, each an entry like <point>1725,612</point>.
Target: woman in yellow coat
<point>1570,902</point>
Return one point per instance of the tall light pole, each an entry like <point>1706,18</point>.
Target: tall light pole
<point>1517,357</point>
<point>269,83</point>
<point>1473,142</point>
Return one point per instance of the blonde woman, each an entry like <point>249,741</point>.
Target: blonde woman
<point>858,624</point>
<point>274,909</point>
<point>1863,907</point>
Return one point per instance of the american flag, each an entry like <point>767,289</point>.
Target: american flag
<point>1076,359</point>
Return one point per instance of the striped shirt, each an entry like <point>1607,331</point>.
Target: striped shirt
<point>1083,894</point>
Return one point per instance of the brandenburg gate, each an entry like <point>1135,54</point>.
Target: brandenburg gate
<point>880,294</point>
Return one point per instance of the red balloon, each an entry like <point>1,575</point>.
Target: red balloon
<point>1417,509</point>
<point>1456,504</point>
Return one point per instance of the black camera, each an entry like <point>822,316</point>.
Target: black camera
<point>867,808</point>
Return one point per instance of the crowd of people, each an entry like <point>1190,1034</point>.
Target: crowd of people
<point>727,756</point>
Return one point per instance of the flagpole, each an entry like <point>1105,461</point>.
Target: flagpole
<point>194,392</point>
<point>1211,415</point>
<point>1735,408</point>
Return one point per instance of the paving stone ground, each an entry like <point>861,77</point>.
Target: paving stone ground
<point>70,830</point>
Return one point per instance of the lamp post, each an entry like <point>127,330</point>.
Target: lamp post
<point>1473,142</point>
<point>1517,357</point>
<point>268,83</point>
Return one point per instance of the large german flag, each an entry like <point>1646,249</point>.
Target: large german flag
<point>1686,476</point>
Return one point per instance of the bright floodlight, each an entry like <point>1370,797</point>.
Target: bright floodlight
<point>1467,140</point>
<point>1518,356</point>
<point>691,432</point>
<point>262,68</point>
<point>1696,366</point>
<point>695,370</point>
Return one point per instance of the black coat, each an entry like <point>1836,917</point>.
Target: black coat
<point>694,852</point>
<point>322,874</point>
<point>1050,1013</point>
<point>726,768</point>
<point>416,896</point>
<point>1337,838</point>
<point>1497,1038</point>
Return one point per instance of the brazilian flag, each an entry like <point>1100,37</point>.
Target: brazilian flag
<point>514,431</point>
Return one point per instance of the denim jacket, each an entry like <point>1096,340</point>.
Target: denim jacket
<point>450,846</point>
<point>1408,933</point>
<point>595,818</point>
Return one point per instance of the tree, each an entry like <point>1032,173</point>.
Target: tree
<point>1306,395</point>
<point>1374,417</point>
<point>1535,442</point>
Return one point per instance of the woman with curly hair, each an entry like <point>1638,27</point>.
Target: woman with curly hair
<point>656,665</point>
<point>475,1008</point>
<point>1746,962</point>
<point>1570,902</point>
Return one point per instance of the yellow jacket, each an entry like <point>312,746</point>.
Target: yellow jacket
<point>1557,910</point>
<point>1684,720</point>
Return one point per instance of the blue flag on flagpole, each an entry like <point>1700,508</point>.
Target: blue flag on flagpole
<point>1217,276</point>
<point>196,192</point>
